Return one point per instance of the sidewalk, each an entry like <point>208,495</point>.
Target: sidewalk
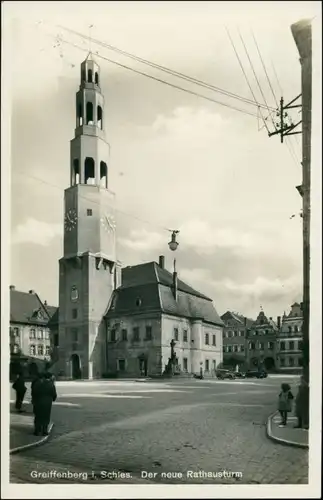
<point>286,435</point>
<point>21,430</point>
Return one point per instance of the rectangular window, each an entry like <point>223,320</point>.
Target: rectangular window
<point>74,334</point>
<point>124,334</point>
<point>89,212</point>
<point>113,335</point>
<point>235,333</point>
<point>270,345</point>
<point>214,364</point>
<point>300,345</point>
<point>47,350</point>
<point>261,346</point>
<point>40,350</point>
<point>121,365</point>
<point>176,334</point>
<point>32,334</point>
<point>224,348</point>
<point>300,362</point>
<point>185,335</point>
<point>207,339</point>
<point>282,346</point>
<point>292,345</point>
<point>16,332</point>
<point>136,334</point>
<point>235,348</point>
<point>229,348</point>
<point>149,334</point>
<point>296,329</point>
<point>291,361</point>
<point>213,340</point>
<point>242,333</point>
<point>206,365</point>
<point>46,334</point>
<point>40,334</point>
<point>282,362</point>
<point>32,350</point>
<point>241,347</point>
<point>74,313</point>
<point>226,334</point>
<point>185,364</point>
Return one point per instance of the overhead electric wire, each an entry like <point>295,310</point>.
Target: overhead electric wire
<point>246,77</point>
<point>256,78</point>
<point>265,70</point>
<point>39,179</point>
<point>191,92</point>
<point>165,69</point>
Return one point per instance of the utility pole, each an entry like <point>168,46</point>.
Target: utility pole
<point>302,33</point>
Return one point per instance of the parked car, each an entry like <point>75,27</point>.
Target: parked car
<point>223,374</point>
<point>239,374</point>
<point>256,374</point>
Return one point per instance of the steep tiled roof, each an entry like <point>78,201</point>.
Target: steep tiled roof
<point>151,272</point>
<point>25,308</point>
<point>53,313</point>
<point>237,317</point>
<point>148,287</point>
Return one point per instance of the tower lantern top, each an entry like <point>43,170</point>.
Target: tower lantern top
<point>90,72</point>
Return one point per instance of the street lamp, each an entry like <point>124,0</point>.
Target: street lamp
<point>173,244</point>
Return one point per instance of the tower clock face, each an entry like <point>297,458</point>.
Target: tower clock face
<point>108,223</point>
<point>70,219</point>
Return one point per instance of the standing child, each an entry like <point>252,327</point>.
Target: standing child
<point>285,403</point>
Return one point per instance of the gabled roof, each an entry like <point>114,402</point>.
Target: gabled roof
<point>148,288</point>
<point>151,272</point>
<point>237,317</point>
<point>27,308</point>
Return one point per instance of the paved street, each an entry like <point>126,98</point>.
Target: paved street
<point>160,427</point>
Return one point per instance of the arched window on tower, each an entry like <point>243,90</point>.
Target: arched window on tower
<point>79,115</point>
<point>89,113</point>
<point>103,175</point>
<point>100,117</point>
<point>89,76</point>
<point>89,171</point>
<point>76,172</point>
<point>96,78</point>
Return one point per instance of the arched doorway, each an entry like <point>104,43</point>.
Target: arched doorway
<point>76,366</point>
<point>269,363</point>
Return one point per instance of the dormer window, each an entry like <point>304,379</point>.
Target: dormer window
<point>138,302</point>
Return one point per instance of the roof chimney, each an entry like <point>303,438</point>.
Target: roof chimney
<point>175,289</point>
<point>12,287</point>
<point>161,262</point>
<point>31,291</point>
<point>279,322</point>
<point>45,302</point>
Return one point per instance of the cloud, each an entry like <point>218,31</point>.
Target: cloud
<point>143,240</point>
<point>36,232</point>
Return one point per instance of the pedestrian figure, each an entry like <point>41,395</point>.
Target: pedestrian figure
<point>20,388</point>
<point>43,395</point>
<point>302,401</point>
<point>285,403</point>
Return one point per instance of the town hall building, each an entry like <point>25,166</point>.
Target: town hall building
<point>105,311</point>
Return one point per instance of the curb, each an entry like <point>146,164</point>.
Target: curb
<point>32,445</point>
<point>285,442</point>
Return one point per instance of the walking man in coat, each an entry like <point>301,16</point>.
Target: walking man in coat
<point>43,395</point>
<point>20,388</point>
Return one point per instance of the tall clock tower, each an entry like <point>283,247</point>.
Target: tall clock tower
<point>88,270</point>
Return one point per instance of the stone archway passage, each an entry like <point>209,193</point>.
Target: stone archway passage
<point>76,366</point>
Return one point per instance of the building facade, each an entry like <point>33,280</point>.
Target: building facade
<point>235,339</point>
<point>290,339</point>
<point>262,343</point>
<point>30,332</point>
<point>88,270</point>
<point>152,315</point>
